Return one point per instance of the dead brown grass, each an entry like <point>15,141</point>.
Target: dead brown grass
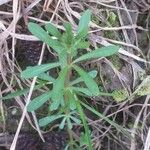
<point>127,30</point>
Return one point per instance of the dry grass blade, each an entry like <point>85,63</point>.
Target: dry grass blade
<point>119,22</point>
<point>147,143</point>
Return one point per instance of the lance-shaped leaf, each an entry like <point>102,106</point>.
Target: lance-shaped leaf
<point>68,34</point>
<point>38,101</point>
<point>46,77</point>
<point>53,30</point>
<point>82,45</point>
<point>36,70</point>
<point>20,92</point>
<point>88,80</point>
<point>58,89</point>
<point>62,124</point>
<point>92,73</point>
<point>71,99</point>
<point>85,91</point>
<point>76,120</point>
<point>83,24</point>
<point>46,120</point>
<point>40,33</point>
<point>69,123</point>
<point>100,52</point>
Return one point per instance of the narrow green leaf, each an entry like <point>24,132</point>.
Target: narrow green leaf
<point>62,124</point>
<point>83,139</point>
<point>92,73</point>
<point>20,92</point>
<point>71,99</point>
<point>118,127</point>
<point>69,34</point>
<point>69,123</point>
<point>90,83</point>
<point>85,91</point>
<point>76,120</point>
<point>38,101</point>
<point>63,58</point>
<point>46,120</point>
<point>40,33</point>
<point>100,52</point>
<point>83,24</point>
<point>54,105</point>
<point>53,30</point>
<point>15,94</point>
<point>58,89</point>
<point>82,45</point>
<point>87,130</point>
<point>45,76</point>
<point>31,72</point>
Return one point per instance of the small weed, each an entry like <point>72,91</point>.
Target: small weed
<point>120,95</point>
<point>65,103</point>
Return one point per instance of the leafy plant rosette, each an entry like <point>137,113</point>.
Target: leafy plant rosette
<point>65,103</point>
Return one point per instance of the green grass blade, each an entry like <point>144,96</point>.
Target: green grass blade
<point>100,52</point>
<point>118,127</point>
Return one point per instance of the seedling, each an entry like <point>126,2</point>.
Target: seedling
<point>65,102</point>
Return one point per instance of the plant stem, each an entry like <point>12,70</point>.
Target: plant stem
<point>67,81</point>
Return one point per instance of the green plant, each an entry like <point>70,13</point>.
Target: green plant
<point>120,95</point>
<point>65,103</point>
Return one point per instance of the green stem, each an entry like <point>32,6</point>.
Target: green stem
<point>67,82</point>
